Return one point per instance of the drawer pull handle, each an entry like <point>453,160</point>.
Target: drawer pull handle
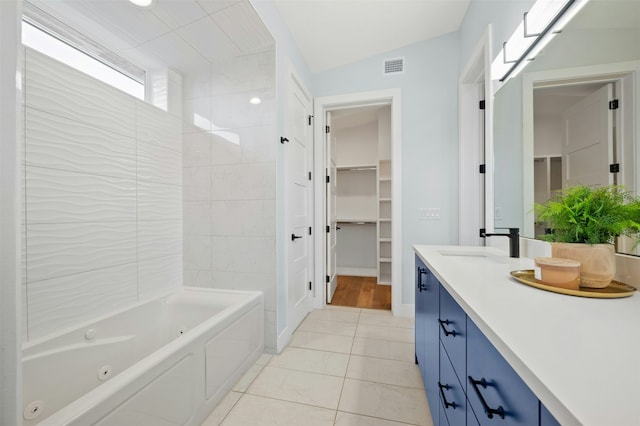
<point>488,410</point>
<point>447,332</point>
<point>444,399</point>
<point>421,286</point>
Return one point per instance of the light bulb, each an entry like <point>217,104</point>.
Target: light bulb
<point>255,100</point>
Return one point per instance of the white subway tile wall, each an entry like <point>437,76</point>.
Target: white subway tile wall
<point>103,198</point>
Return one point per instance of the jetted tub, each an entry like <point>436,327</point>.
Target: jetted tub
<point>165,362</point>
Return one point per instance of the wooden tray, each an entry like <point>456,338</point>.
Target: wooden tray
<point>613,291</point>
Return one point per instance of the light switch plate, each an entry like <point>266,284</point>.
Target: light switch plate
<point>429,214</point>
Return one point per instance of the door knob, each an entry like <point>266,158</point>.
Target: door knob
<point>295,237</point>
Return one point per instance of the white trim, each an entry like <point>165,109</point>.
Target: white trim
<point>475,73</point>
<point>10,207</point>
<point>379,97</point>
<point>283,339</point>
<point>601,72</point>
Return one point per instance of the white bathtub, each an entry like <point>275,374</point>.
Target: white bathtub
<point>164,362</point>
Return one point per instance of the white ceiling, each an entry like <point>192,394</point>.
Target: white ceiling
<point>331,33</point>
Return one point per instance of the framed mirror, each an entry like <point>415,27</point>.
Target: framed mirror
<point>585,84</point>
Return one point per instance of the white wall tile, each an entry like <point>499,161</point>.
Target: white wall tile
<point>159,238</point>
<point>242,254</point>
<point>60,143</point>
<point>197,218</point>
<point>159,275</point>
<point>213,6</point>
<point>53,87</point>
<point>197,252</point>
<point>157,163</point>
<point>157,201</point>
<point>243,218</point>
<point>196,149</point>
<point>225,147</point>
<point>64,301</point>
<point>233,110</point>
<point>197,183</point>
<point>258,144</point>
<point>259,281</point>
<point>177,13</point>
<point>55,196</point>
<point>156,126</point>
<point>69,248</point>
<point>196,83</point>
<point>208,39</point>
<point>196,114</point>
<point>173,51</point>
<point>25,313</point>
<point>270,332</point>
<point>244,182</point>
<point>197,278</point>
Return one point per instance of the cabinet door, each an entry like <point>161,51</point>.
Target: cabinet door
<point>496,393</point>
<point>453,333</point>
<point>427,338</point>
<point>546,418</point>
<point>452,394</point>
<point>443,417</point>
<point>420,321</point>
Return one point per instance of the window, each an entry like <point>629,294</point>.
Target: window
<point>46,43</point>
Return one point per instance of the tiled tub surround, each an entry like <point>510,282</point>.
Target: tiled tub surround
<point>124,369</point>
<point>343,366</point>
<point>229,174</point>
<point>103,190</point>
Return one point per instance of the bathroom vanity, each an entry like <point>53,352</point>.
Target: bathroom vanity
<point>494,351</point>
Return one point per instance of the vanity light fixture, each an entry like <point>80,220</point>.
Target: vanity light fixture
<point>538,27</point>
<point>255,100</point>
<point>142,3</point>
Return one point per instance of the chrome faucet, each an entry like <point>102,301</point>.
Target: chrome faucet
<point>514,239</point>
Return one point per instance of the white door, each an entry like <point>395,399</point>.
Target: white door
<point>332,217</point>
<point>298,153</point>
<point>588,140</point>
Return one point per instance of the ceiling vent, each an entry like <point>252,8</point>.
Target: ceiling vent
<point>394,66</point>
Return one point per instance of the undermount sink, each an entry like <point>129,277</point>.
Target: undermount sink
<point>463,254</point>
<point>474,256</point>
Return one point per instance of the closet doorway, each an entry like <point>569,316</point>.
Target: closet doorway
<point>359,260</point>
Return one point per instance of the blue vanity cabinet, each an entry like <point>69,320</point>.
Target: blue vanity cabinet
<point>452,392</point>
<point>497,395</point>
<point>427,306</point>
<point>453,333</point>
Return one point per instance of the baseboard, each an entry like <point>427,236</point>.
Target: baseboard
<point>283,339</point>
<point>404,310</point>
<point>357,272</point>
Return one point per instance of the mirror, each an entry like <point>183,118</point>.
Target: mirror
<point>598,51</point>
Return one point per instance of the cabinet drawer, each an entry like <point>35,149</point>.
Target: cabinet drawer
<point>497,395</point>
<point>453,333</point>
<point>452,396</point>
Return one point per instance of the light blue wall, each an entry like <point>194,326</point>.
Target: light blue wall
<point>287,52</point>
<point>429,135</point>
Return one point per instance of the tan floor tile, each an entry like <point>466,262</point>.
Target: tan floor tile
<point>222,409</point>
<point>400,351</point>
<point>387,371</point>
<point>321,341</point>
<point>298,386</point>
<point>334,315</point>
<point>328,327</point>
<point>254,410</point>
<point>312,361</point>
<point>386,321</point>
<point>385,333</point>
<point>348,419</point>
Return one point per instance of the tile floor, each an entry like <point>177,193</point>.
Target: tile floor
<point>343,366</point>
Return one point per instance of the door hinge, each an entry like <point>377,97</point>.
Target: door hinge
<point>309,175</point>
<point>482,104</point>
<point>309,285</point>
<point>310,117</point>
<point>327,129</point>
<point>482,168</point>
<point>328,279</point>
<point>328,179</point>
<point>328,229</point>
<point>614,104</point>
<point>309,230</point>
<point>614,168</point>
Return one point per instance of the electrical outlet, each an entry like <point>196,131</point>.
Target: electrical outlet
<point>429,214</point>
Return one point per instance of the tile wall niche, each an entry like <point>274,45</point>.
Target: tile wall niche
<point>102,224</point>
<point>229,174</point>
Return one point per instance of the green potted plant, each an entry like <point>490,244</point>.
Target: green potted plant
<point>585,222</point>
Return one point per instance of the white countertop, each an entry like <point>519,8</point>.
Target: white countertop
<point>580,356</point>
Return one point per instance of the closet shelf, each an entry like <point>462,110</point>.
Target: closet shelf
<point>357,221</point>
<point>384,199</point>
<point>356,167</point>
<point>385,219</point>
<point>385,240</point>
<point>385,179</point>
<point>385,260</point>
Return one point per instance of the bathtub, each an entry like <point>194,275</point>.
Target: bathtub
<point>165,362</point>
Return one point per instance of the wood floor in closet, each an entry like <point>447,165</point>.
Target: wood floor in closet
<point>361,292</point>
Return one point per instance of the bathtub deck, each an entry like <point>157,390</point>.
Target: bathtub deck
<point>338,365</point>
